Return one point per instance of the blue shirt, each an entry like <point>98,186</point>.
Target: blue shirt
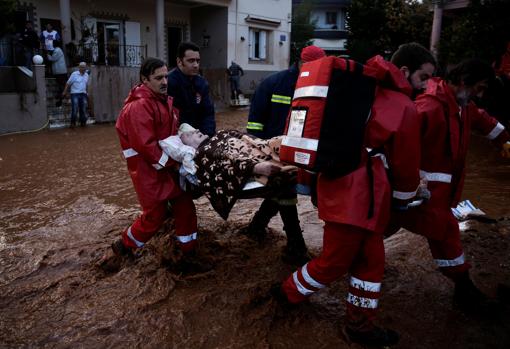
<point>78,82</point>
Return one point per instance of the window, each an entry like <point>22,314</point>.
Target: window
<point>331,18</point>
<point>258,44</point>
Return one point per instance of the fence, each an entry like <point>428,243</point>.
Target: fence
<point>108,54</point>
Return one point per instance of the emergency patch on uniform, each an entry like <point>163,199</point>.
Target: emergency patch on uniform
<point>301,158</point>
<point>297,122</point>
<point>305,73</point>
<point>198,98</point>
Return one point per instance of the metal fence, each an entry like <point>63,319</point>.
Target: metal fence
<point>12,53</point>
<point>109,54</point>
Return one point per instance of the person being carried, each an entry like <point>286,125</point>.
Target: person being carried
<point>221,166</point>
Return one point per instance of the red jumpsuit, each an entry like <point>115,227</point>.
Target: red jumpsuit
<point>353,241</point>
<point>446,129</point>
<point>145,119</point>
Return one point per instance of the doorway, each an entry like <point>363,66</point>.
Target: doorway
<point>109,35</point>
<point>174,38</point>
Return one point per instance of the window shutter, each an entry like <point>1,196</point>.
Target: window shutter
<point>252,44</point>
<point>263,40</point>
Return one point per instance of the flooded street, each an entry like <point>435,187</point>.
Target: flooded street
<point>65,195</point>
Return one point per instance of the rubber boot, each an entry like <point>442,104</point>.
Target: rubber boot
<point>295,252</point>
<point>114,257</point>
<point>256,230</point>
<point>470,299</point>
<point>193,263</point>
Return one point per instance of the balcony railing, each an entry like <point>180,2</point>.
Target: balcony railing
<point>12,53</point>
<point>109,54</point>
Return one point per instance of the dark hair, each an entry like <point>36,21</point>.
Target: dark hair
<point>470,71</point>
<point>413,56</point>
<point>185,46</point>
<point>149,65</point>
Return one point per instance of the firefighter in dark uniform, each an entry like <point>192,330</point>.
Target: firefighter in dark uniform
<point>268,113</point>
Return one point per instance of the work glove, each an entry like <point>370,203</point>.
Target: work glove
<point>505,151</point>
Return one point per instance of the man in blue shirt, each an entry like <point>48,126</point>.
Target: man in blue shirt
<point>190,91</point>
<point>77,84</point>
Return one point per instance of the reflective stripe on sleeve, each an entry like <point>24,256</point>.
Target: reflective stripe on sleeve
<point>130,235</point>
<point>311,91</point>
<point>129,153</point>
<point>162,162</point>
<point>309,279</point>
<point>280,99</point>
<point>362,302</point>
<point>257,126</point>
<point>442,263</point>
<point>365,285</point>
<point>381,156</point>
<point>404,195</point>
<point>436,176</point>
<point>495,131</point>
<point>184,239</point>
<point>301,289</point>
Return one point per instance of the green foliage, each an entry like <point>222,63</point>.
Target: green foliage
<point>481,31</point>
<point>302,28</point>
<point>7,8</point>
<point>380,26</point>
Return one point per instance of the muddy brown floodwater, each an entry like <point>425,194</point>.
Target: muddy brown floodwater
<point>65,195</point>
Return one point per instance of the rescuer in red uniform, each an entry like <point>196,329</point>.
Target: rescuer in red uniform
<point>147,117</point>
<point>353,240</point>
<point>447,117</point>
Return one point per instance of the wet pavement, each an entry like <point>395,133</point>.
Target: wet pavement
<point>65,195</point>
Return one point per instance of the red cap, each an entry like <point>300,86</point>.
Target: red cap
<point>311,53</point>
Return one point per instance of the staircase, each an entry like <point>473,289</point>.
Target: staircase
<point>59,116</point>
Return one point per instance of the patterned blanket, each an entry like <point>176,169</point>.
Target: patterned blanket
<point>225,163</point>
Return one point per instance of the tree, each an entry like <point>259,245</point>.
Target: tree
<point>7,8</point>
<point>482,30</point>
<point>301,28</point>
<point>380,26</point>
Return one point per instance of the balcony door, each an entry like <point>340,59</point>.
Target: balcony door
<point>109,34</point>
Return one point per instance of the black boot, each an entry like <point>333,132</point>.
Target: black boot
<point>295,252</point>
<point>470,299</point>
<point>256,230</point>
<point>114,257</point>
<point>192,263</point>
<point>376,336</point>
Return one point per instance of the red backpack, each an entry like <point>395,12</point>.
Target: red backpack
<point>326,123</point>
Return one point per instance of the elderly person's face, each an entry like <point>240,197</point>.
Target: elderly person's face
<point>193,138</point>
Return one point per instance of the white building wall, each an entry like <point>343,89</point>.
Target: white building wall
<point>238,28</point>
<point>135,11</point>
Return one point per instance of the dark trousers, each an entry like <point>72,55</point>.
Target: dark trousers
<point>79,103</point>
